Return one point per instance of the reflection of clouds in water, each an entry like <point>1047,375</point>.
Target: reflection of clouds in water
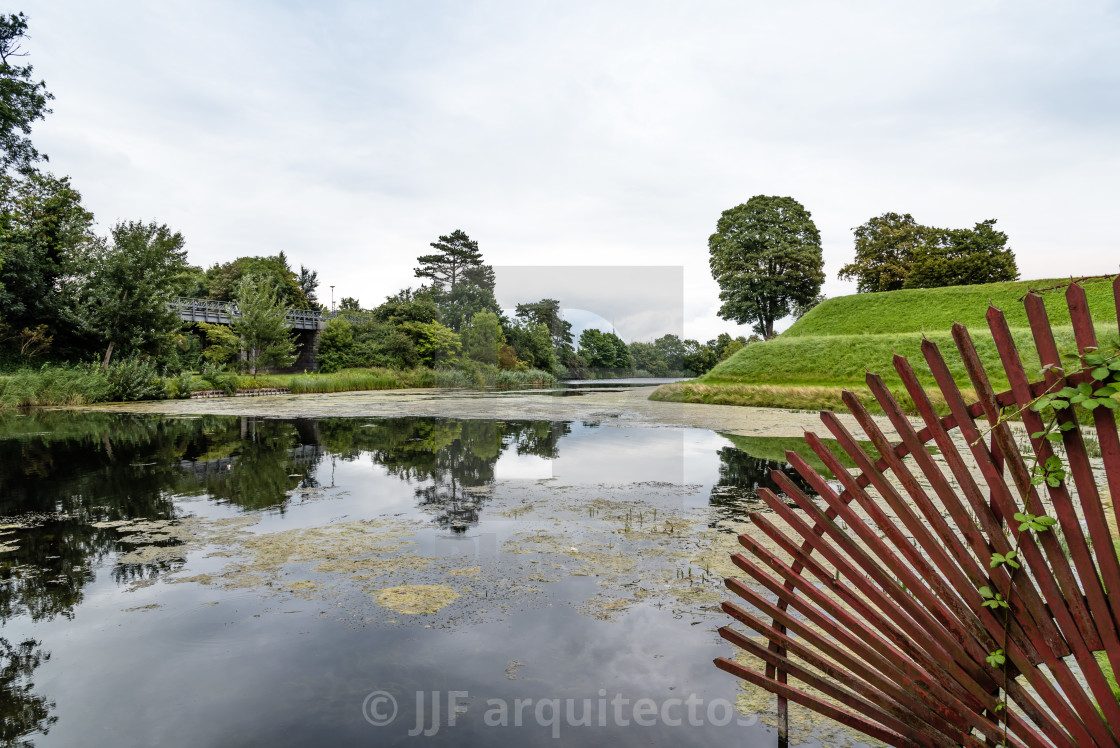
<point>702,461</point>
<point>512,466</point>
<point>621,455</point>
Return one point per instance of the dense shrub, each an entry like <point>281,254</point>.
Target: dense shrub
<point>135,378</point>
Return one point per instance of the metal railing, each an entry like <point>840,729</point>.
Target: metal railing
<point>224,312</point>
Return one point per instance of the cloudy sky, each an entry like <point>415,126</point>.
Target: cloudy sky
<point>352,134</point>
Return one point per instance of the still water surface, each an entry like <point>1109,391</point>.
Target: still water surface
<point>221,580</point>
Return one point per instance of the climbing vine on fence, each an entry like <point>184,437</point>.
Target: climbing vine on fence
<point>1103,368</point>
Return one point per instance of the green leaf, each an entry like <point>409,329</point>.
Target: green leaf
<point>985,592</point>
<point>1108,403</point>
<point>998,559</point>
<point>1054,437</point>
<point>1046,521</point>
<point>1100,373</point>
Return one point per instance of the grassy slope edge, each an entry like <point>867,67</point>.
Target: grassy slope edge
<point>831,348</point>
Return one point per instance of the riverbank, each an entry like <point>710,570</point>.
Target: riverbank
<point>132,381</point>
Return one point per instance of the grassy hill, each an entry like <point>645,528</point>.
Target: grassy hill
<point>936,309</point>
<point>833,346</point>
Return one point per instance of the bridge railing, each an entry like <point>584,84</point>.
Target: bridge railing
<point>223,312</point>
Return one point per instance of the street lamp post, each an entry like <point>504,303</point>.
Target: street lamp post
<point>332,298</point>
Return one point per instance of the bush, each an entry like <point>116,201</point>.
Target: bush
<point>179,387</point>
<point>135,378</point>
<point>219,379</point>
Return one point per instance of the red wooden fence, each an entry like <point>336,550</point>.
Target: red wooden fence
<point>872,606</point>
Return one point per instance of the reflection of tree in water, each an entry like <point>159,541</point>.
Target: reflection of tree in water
<point>22,711</point>
<point>452,458</point>
<point>259,468</point>
<point>740,478</point>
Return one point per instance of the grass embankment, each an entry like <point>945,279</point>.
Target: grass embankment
<point>833,346</point>
<point>83,385</point>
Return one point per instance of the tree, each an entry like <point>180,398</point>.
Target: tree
<point>672,350</point>
<point>308,281</point>
<point>128,282</point>
<point>336,344</point>
<point>894,251</point>
<point>766,257</point>
<point>22,100</point>
<point>436,344</point>
<point>456,254</point>
<point>547,312</point>
<point>885,249</point>
<point>408,306</point>
<point>482,338</point>
<point>349,304</point>
<point>603,350</point>
<point>533,344</point>
<point>698,358</point>
<point>961,257</point>
<point>266,339</point>
<point>222,344</point>
<point>223,281</point>
<point>44,231</point>
<point>646,357</point>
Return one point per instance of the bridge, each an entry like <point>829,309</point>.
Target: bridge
<point>307,323</point>
<point>224,312</point>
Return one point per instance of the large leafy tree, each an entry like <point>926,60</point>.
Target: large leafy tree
<point>766,257</point>
<point>22,99</point>
<point>126,285</point>
<point>961,257</point>
<point>44,229</point>
<point>894,251</point>
<point>885,249</point>
<point>223,281</point>
<point>266,338</point>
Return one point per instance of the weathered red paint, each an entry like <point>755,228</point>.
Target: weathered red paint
<point>886,631</point>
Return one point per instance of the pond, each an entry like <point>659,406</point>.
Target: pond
<point>233,580</point>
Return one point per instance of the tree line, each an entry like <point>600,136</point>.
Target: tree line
<point>454,320</point>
